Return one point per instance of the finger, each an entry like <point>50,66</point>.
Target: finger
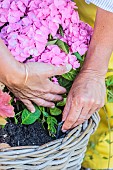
<point>96,106</point>
<point>29,105</point>
<point>57,89</point>
<point>66,109</point>
<point>72,117</point>
<point>92,111</point>
<point>42,102</point>
<point>59,70</point>
<point>46,96</point>
<point>84,115</point>
<point>51,97</point>
<point>77,123</point>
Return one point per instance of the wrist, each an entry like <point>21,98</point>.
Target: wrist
<point>94,72</point>
<point>91,75</point>
<point>12,72</point>
<point>14,75</point>
<point>96,60</point>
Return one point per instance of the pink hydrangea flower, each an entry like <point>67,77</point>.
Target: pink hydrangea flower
<point>30,22</point>
<point>6,110</point>
<point>55,80</point>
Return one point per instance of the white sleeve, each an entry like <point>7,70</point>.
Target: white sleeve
<point>104,4</point>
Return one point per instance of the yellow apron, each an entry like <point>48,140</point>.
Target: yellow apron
<point>99,154</point>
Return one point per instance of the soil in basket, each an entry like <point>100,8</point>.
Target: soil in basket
<point>22,135</point>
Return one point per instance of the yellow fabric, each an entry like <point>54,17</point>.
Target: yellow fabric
<point>99,150</point>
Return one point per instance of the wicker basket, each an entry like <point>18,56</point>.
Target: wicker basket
<point>62,154</point>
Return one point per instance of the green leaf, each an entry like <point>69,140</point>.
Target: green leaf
<point>109,85</point>
<point>92,145</point>
<point>110,70</point>
<point>79,57</point>
<point>50,37</point>
<point>2,126</point>
<point>51,121</point>
<point>28,117</point>
<point>90,157</point>
<point>18,114</point>
<point>105,157</point>
<point>108,141</point>
<point>53,42</point>
<point>16,120</point>
<point>109,81</point>
<point>65,83</point>
<point>61,30</point>
<point>45,114</point>
<point>70,75</point>
<point>41,108</point>
<point>63,46</point>
<point>55,111</point>
<point>110,95</point>
<point>62,103</point>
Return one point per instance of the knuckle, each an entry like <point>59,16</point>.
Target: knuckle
<point>77,100</point>
<point>48,97</point>
<point>74,102</point>
<point>98,102</point>
<point>71,120</point>
<point>91,100</point>
<point>78,97</point>
<point>48,105</point>
<point>83,99</point>
<point>27,102</point>
<point>40,103</point>
<point>56,98</point>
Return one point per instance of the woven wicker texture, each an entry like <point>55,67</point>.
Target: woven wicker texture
<point>62,154</point>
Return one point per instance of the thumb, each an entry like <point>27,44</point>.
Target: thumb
<point>59,70</point>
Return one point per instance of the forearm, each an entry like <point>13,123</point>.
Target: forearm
<point>101,45</point>
<point>10,70</point>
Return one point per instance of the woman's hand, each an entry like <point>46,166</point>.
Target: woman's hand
<point>88,91</point>
<point>38,88</point>
<point>86,96</point>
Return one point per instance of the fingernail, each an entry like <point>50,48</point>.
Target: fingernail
<point>64,131</point>
<point>69,67</point>
<point>52,107</point>
<point>32,111</point>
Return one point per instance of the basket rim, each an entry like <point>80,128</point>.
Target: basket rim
<point>92,123</point>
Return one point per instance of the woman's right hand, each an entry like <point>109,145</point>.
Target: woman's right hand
<point>38,88</point>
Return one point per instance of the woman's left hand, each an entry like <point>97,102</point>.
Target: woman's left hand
<point>86,96</point>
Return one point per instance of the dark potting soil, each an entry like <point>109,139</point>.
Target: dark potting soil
<point>23,135</point>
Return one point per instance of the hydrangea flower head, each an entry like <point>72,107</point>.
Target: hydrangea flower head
<point>29,24</point>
